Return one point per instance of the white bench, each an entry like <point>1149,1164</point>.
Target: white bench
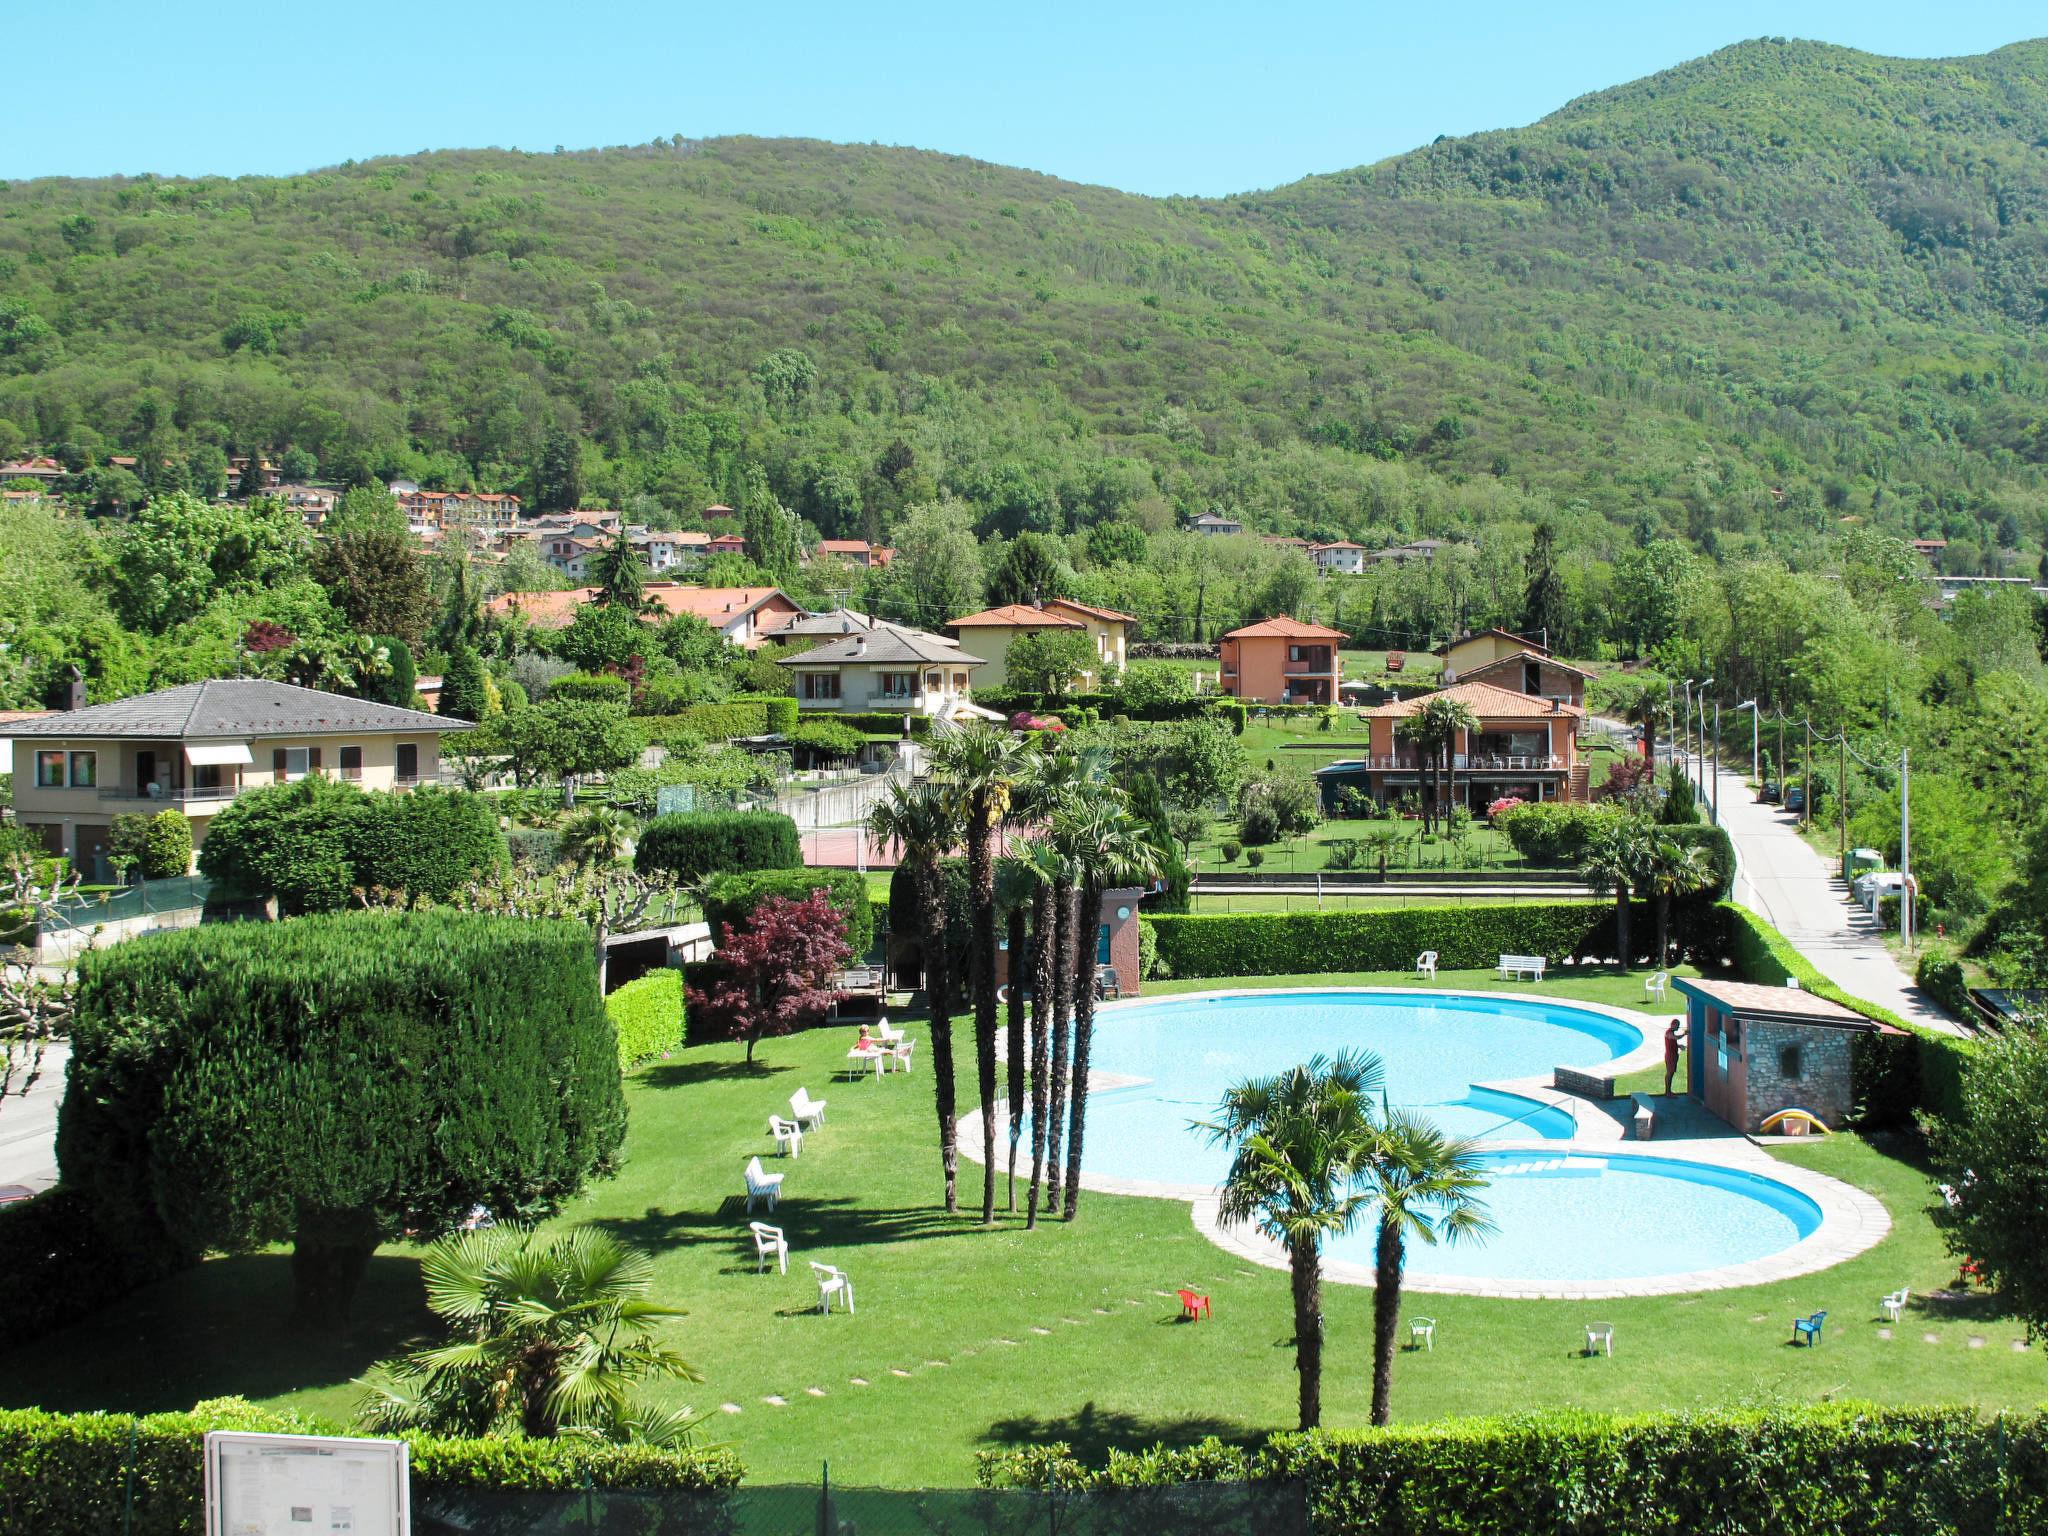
<point>1514,967</point>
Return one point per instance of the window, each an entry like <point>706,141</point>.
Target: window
<point>1789,1062</point>
<point>351,762</point>
<point>408,762</point>
<point>85,769</point>
<point>1102,945</point>
<point>821,685</point>
<point>49,770</point>
<point>899,685</point>
<point>206,778</point>
<point>290,763</point>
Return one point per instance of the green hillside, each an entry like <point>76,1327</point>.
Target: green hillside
<point>1736,301</point>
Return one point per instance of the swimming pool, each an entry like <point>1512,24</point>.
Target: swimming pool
<point>1158,1065</point>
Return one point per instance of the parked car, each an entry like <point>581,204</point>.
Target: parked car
<point>1795,797</point>
<point>1769,793</point>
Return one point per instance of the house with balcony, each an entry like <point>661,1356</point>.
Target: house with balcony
<point>888,668</point>
<point>1340,558</point>
<point>855,552</point>
<point>195,748</point>
<point>1524,746</point>
<point>1281,661</point>
<point>992,632</point>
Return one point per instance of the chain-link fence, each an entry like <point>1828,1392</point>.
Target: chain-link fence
<point>821,1509</point>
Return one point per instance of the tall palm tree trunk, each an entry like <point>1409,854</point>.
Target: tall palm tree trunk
<point>931,882</point>
<point>1018,1041</point>
<point>981,888</point>
<point>1087,930</point>
<point>1621,899</point>
<point>1305,1267</point>
<point>1044,1004</point>
<point>1663,931</point>
<point>1062,995</point>
<point>1386,1319</point>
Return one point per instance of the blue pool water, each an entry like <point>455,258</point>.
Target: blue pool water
<point>1561,1216</point>
<point>1611,1217</point>
<point>1186,1051</point>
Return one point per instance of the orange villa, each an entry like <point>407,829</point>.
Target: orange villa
<point>1526,746</point>
<point>1282,661</point>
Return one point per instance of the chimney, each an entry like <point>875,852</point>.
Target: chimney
<point>74,690</point>
<point>860,646</point>
<point>1557,706</point>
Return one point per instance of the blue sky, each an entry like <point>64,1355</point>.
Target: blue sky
<point>1191,98</point>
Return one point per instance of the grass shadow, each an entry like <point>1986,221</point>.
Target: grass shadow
<point>825,1223</point>
<point>1094,1431</point>
<point>688,1074</point>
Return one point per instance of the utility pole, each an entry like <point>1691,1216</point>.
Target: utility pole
<point>1717,763</point>
<point>1842,799</point>
<point>1906,845</point>
<point>1806,799</point>
<point>1782,765</point>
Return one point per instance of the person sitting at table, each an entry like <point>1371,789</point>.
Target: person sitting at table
<point>864,1043</point>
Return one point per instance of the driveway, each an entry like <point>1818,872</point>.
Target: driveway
<point>28,1127</point>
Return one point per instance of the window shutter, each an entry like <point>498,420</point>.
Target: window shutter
<point>312,759</point>
<point>277,762</point>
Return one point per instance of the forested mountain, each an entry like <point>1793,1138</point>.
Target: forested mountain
<point>1735,302</point>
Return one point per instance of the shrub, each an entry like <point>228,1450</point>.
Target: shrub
<point>827,738</point>
<point>167,846</point>
<point>733,898</point>
<point>535,847</point>
<point>593,688</point>
<point>647,1014</point>
<point>426,843</point>
<point>1259,823</point>
<point>1552,832</point>
<point>1291,943</point>
<point>1230,848</point>
<point>777,713</point>
<point>334,1081</point>
<point>1254,857</point>
<point>1940,975</point>
<point>691,845</point>
<point>88,1474</point>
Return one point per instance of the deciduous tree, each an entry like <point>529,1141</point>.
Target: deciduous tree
<point>773,974</point>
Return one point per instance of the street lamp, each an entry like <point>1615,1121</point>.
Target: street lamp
<point>1717,763</point>
<point>1703,737</point>
<point>1755,746</point>
<point>1686,738</point>
<point>1906,845</point>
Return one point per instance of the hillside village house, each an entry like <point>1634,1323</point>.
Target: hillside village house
<point>992,632</point>
<point>1214,524</point>
<point>747,616</point>
<point>1343,558</point>
<point>857,552</point>
<point>1526,747</point>
<point>887,668</point>
<point>1281,661</point>
<point>1483,649</point>
<point>1536,673</point>
<point>41,468</point>
<point>196,747</point>
<point>1401,554</point>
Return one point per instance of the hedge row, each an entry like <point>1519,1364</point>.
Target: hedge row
<point>871,722</point>
<point>733,898</point>
<point>1010,701</point>
<point>693,844</point>
<point>647,1014</point>
<point>1465,937</point>
<point>90,1473</point>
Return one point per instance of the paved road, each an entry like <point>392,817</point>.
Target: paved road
<point>28,1128</point>
<point>1805,898</point>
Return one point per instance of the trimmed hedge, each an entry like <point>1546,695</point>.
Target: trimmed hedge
<point>733,898</point>
<point>75,1474</point>
<point>1940,975</point>
<point>736,716</point>
<point>593,688</point>
<point>1465,937</point>
<point>778,712</point>
<point>693,844</point>
<point>871,722</point>
<point>647,1014</point>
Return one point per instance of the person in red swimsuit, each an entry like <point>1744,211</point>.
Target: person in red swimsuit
<point>1670,1055</point>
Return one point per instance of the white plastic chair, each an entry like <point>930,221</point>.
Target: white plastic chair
<point>1657,985</point>
<point>805,1110</point>
<point>832,1282</point>
<point>887,1033</point>
<point>789,1136</point>
<point>1600,1335</point>
<point>769,1243</point>
<point>900,1054</point>
<point>1895,1304</point>
<point>761,1185</point>
<point>1425,964</point>
<point>1422,1330</point>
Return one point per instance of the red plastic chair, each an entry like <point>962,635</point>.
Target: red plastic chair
<point>1193,1304</point>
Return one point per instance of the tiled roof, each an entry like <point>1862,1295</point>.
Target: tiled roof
<point>1749,997</point>
<point>1284,628</point>
<point>1483,699</point>
<point>236,706</point>
<point>1016,616</point>
<point>716,605</point>
<point>1107,615</point>
<point>887,643</point>
<point>1522,656</point>
<point>1500,634</point>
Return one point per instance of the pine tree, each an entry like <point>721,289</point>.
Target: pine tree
<point>620,576</point>
<point>1546,606</point>
<point>465,690</point>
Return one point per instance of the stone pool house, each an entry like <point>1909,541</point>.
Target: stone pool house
<point>1753,1050</point>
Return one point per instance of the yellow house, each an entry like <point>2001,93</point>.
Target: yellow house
<point>992,631</point>
<point>195,748</point>
<point>1471,652</point>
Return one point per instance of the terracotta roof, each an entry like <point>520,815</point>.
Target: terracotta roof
<point>1780,1002</point>
<point>1338,544</point>
<point>1284,628</point>
<point>1107,615</point>
<point>1015,616</point>
<point>715,605</point>
<point>1483,699</point>
<point>1520,656</point>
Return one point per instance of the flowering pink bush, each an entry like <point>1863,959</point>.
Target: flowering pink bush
<point>1504,803</point>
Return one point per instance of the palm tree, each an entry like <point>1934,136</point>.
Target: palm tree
<point>979,764</point>
<point>1672,868</point>
<point>1614,862</point>
<point>1300,1142</point>
<point>1414,731</point>
<point>920,817</point>
<point>549,1336</point>
<point>1017,892</point>
<point>1445,719</point>
<point>1047,874</point>
<point>598,836</point>
<point>1426,1186</point>
<point>1110,848</point>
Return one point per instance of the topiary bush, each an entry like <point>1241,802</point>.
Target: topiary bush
<point>1551,832</point>
<point>733,898</point>
<point>334,1081</point>
<point>647,1014</point>
<point>167,846</point>
<point>1465,936</point>
<point>691,845</point>
<point>593,688</point>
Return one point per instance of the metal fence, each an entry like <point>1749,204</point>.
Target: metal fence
<point>185,893</point>
<point>821,1509</point>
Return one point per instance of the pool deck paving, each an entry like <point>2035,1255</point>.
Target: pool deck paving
<point>1852,1221</point>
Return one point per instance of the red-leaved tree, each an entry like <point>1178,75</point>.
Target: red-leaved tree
<point>774,972</point>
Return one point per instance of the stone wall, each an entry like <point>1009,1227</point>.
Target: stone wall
<point>1822,1082</point>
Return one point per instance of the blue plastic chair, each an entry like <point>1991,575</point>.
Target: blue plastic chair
<point>1808,1326</point>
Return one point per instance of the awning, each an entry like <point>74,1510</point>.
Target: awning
<point>217,754</point>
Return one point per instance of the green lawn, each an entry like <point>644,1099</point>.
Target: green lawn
<point>1266,901</point>
<point>1482,848</point>
<point>1004,1337</point>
